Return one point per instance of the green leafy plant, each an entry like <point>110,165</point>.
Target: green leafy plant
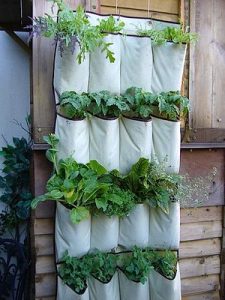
<point>76,186</point>
<point>110,25</point>
<point>15,184</point>
<point>139,103</point>
<point>171,105</point>
<point>164,262</point>
<point>103,265</point>
<point>74,27</point>
<point>176,35</point>
<point>74,105</point>
<point>136,265</point>
<point>74,272</point>
<point>116,202</point>
<point>105,104</point>
<point>151,184</point>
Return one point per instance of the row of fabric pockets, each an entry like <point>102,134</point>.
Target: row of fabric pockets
<point>121,288</point>
<point>119,143</point>
<point>144,227</point>
<point>137,63</point>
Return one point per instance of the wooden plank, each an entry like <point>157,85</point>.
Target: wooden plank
<point>139,13</point>
<point>168,6</point>
<point>205,296</point>
<point>200,248</point>
<point>45,285</point>
<point>43,226</point>
<point>44,245</point>
<point>198,285</point>
<point>45,264</point>
<point>201,214</point>
<point>201,92</point>
<point>218,16</point>
<point>199,162</point>
<point>189,231</point>
<point>200,266</point>
<point>199,231</point>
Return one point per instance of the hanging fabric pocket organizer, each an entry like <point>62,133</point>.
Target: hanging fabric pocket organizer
<point>162,288</point>
<point>134,229</point>
<point>104,291</point>
<point>67,234</point>
<point>166,143</point>
<point>132,290</point>
<point>168,67</point>
<point>118,144</point>
<point>65,292</point>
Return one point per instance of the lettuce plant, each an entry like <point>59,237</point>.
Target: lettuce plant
<point>176,35</point>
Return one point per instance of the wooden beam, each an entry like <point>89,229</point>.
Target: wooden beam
<point>18,40</point>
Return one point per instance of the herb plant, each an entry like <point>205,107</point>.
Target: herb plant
<point>164,262</point>
<point>74,272</point>
<point>74,27</point>
<point>136,266</point>
<point>176,35</point>
<point>116,202</point>
<point>103,265</point>
<point>151,184</point>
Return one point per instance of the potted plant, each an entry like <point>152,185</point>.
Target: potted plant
<point>134,228</point>
<point>72,278</point>
<point>72,126</point>
<point>135,128</point>
<point>104,282</point>
<point>169,49</point>
<point>166,274</point>
<point>74,187</point>
<point>167,111</point>
<point>102,70</point>
<point>104,128</point>
<point>133,277</point>
<point>111,206</point>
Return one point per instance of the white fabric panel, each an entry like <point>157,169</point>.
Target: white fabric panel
<point>133,24</point>
<point>73,139</point>
<point>164,229</point>
<point>158,24</point>
<point>130,290</point>
<point>64,292</point>
<point>134,229</point>
<point>69,75</point>
<point>135,142</point>
<point>104,142</point>
<point>166,143</point>
<point>104,291</point>
<point>76,238</point>
<point>168,65</point>
<point>103,74</point>
<point>136,63</point>
<point>165,289</point>
<point>104,232</point>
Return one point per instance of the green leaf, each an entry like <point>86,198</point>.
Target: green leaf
<point>38,200</point>
<point>97,167</point>
<point>101,204</point>
<point>79,214</point>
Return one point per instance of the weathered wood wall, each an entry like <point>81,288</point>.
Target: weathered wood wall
<point>201,229</point>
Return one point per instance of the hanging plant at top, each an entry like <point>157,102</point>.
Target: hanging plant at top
<point>70,28</point>
<point>177,35</point>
